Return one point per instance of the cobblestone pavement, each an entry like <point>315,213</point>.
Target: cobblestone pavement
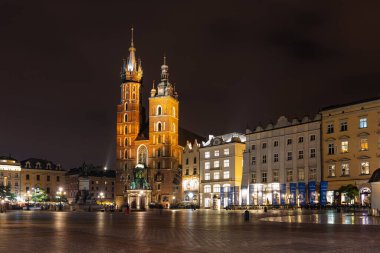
<point>182,231</point>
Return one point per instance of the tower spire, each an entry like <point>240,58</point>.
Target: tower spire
<point>132,57</point>
<point>164,71</point>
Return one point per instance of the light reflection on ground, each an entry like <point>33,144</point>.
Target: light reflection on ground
<point>328,218</point>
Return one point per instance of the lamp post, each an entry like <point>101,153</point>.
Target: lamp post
<point>101,197</point>
<point>60,194</point>
<point>28,195</point>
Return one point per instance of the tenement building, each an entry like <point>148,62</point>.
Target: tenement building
<point>351,147</point>
<point>10,174</point>
<point>190,173</point>
<point>41,174</point>
<point>221,166</point>
<point>282,163</point>
<point>148,151</point>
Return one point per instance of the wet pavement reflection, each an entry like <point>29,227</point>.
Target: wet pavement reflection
<point>187,231</point>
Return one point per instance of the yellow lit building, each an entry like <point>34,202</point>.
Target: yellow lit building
<point>10,174</point>
<point>350,147</point>
<point>41,174</point>
<point>152,144</point>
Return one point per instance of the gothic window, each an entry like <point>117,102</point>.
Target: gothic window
<point>126,106</point>
<point>125,117</point>
<point>173,109</point>
<point>159,139</point>
<point>125,129</point>
<point>142,154</point>
<point>134,95</point>
<point>173,127</point>
<point>125,154</point>
<point>159,110</point>
<point>159,126</point>
<point>125,142</point>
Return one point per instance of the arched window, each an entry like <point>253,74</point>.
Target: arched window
<point>142,154</point>
<point>125,142</point>
<point>159,139</point>
<point>125,117</point>
<point>173,111</point>
<point>159,110</point>
<point>126,106</point>
<point>159,126</point>
<point>125,129</point>
<point>173,127</point>
<point>125,154</point>
<point>134,95</point>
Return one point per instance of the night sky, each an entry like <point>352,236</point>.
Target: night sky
<point>234,64</point>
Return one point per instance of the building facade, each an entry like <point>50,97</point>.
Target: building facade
<point>90,184</point>
<point>191,173</point>
<point>282,163</point>
<point>351,147</point>
<point>41,174</point>
<point>10,174</point>
<point>221,168</point>
<point>149,144</point>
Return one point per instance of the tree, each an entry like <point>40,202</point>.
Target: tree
<point>350,191</point>
<point>39,196</point>
<point>5,191</point>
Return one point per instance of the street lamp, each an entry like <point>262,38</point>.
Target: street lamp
<point>60,194</point>
<point>28,195</point>
<point>101,197</point>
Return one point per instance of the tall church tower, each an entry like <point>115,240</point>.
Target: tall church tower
<point>130,117</point>
<point>163,137</point>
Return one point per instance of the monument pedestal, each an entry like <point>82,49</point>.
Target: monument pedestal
<point>139,199</point>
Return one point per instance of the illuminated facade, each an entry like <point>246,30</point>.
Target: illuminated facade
<point>282,163</point>
<point>41,174</point>
<point>10,174</point>
<point>152,143</point>
<point>221,166</point>
<point>190,173</point>
<point>351,147</point>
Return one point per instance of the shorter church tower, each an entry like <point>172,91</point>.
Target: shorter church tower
<point>163,137</point>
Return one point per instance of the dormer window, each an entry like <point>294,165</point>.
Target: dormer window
<point>27,165</point>
<point>48,166</point>
<point>38,165</point>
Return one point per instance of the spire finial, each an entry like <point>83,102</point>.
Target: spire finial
<point>153,84</point>
<point>132,36</point>
<point>164,59</point>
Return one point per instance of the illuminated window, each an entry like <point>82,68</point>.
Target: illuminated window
<point>275,176</point>
<point>364,168</point>
<point>226,163</point>
<point>312,173</point>
<point>344,146</point>
<point>207,188</point>
<point>226,174</point>
<point>363,122</point>
<point>216,164</point>
<point>216,175</point>
<point>253,178</point>
<point>264,177</point>
<point>207,165</point>
<point>301,174</point>
<point>345,169</point>
<point>216,153</point>
<point>216,188</point>
<point>159,110</point>
<point>289,175</point>
<point>275,158</point>
<point>226,151</point>
<point>173,127</point>
<point>173,111</point>
<point>226,187</point>
<point>207,176</point>
<point>363,144</point>
<point>331,170</point>
<point>207,154</point>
